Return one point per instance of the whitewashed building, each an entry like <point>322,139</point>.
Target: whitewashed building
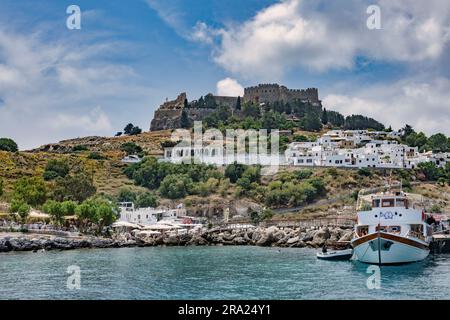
<point>337,149</point>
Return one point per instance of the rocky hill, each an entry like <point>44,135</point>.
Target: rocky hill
<point>150,142</point>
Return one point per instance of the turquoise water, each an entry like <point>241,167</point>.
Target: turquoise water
<point>214,273</point>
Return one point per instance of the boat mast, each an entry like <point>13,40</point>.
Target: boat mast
<point>379,245</point>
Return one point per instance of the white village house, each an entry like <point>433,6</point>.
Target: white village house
<point>336,148</point>
<point>150,216</point>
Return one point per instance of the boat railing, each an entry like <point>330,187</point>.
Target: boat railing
<point>415,234</point>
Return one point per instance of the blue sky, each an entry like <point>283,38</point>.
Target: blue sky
<point>131,55</point>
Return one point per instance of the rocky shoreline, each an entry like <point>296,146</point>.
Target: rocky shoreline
<point>256,236</point>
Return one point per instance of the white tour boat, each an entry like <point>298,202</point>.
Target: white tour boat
<point>391,230</point>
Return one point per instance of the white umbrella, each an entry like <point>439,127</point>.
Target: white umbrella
<point>125,224</point>
<point>159,227</point>
<point>149,232</point>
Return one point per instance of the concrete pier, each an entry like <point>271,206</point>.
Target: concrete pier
<point>440,243</point>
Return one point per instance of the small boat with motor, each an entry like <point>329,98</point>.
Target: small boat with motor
<point>335,255</point>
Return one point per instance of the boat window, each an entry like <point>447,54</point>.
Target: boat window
<point>362,230</point>
<point>382,228</point>
<point>387,203</point>
<point>400,202</point>
<point>394,229</point>
<point>376,203</point>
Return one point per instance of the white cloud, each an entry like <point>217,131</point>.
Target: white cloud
<point>422,104</point>
<point>321,35</point>
<point>95,121</point>
<point>47,88</point>
<point>229,87</point>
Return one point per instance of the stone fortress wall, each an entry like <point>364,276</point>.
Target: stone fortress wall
<point>270,93</point>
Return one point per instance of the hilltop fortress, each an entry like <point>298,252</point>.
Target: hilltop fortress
<point>169,114</point>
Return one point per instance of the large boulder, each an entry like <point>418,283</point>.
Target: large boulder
<point>239,241</point>
<point>348,236</point>
<point>197,240</point>
<point>321,236</point>
<point>171,241</point>
<point>265,240</point>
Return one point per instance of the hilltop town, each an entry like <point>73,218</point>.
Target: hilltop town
<point>316,149</point>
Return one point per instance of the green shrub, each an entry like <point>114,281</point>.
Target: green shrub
<point>126,195</point>
<point>55,210</point>
<point>20,207</point>
<point>147,200</point>
<point>32,191</point>
<point>79,148</point>
<point>96,156</point>
<point>55,169</point>
<point>77,187</point>
<point>176,186</point>
<point>9,145</point>
<point>130,148</point>
<point>234,171</point>
<point>436,209</point>
<point>365,172</point>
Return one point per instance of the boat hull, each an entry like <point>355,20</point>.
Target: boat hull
<point>389,249</point>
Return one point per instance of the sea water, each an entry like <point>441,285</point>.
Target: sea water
<point>213,273</point>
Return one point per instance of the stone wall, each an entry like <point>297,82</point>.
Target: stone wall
<point>270,93</point>
<point>168,115</point>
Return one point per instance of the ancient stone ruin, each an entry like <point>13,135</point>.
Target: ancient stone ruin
<point>169,114</point>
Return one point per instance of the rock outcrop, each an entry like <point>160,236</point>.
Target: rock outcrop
<point>253,236</point>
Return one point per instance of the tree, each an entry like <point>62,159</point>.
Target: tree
<point>55,210</point>
<point>135,131</point>
<point>407,130</point>
<point>128,128</point>
<point>32,191</point>
<point>184,121</point>
<point>431,171</point>
<point>335,118</point>
<point>56,168</point>
<point>251,110</point>
<point>324,116</point>
<point>147,200</point>
<point>118,134</point>
<point>234,171</point>
<point>68,207</point>
<point>438,143</point>
<point>20,207</point>
<point>238,103</point>
<point>175,186</point>
<point>106,214</point>
<point>416,140</point>
<point>126,195</point>
<point>77,187</point>
<point>130,148</point>
<point>9,145</point>
<point>312,122</point>
<point>1,187</point>
<point>210,101</point>
<point>359,122</point>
